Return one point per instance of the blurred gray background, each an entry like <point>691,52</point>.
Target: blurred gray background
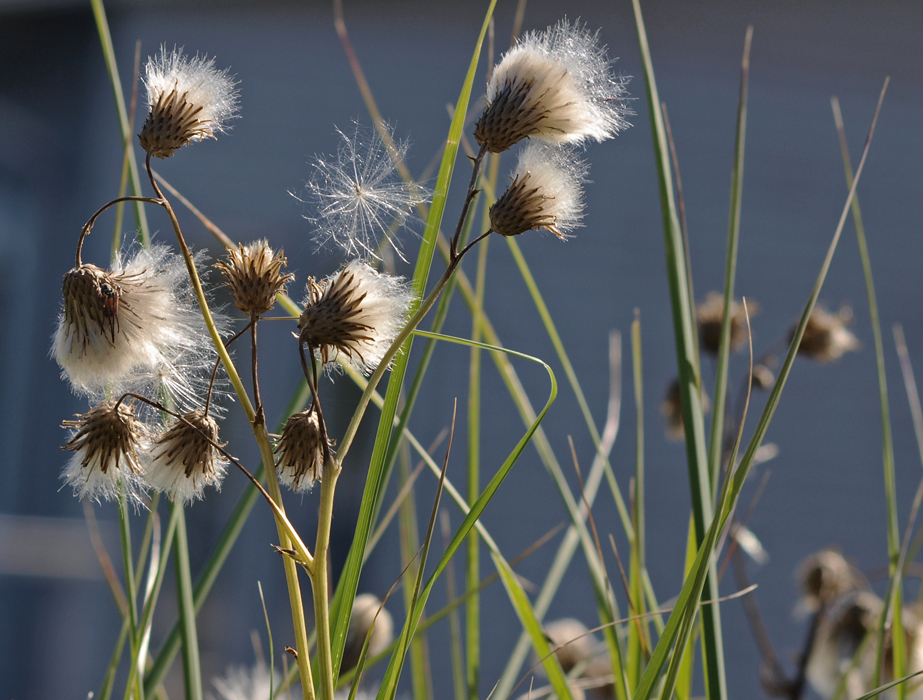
<point>60,160</point>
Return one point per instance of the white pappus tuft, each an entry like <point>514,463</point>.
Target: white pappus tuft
<point>358,195</point>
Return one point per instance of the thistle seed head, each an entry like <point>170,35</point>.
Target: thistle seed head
<point>188,99</point>
<point>184,460</point>
<point>555,85</point>
<point>710,314</point>
<point>254,276</point>
<point>136,327</point>
<point>300,451</point>
<point>105,443</point>
<point>826,337</point>
<point>546,192</point>
<point>357,312</point>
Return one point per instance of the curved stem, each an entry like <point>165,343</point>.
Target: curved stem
<point>88,226</point>
<point>260,416</point>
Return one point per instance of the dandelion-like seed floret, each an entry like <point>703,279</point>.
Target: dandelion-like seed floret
<point>356,313</point>
<point>254,276</point>
<point>556,85</point>
<point>105,443</point>
<point>136,327</point>
<point>826,337</point>
<point>189,100</point>
<point>183,461</point>
<point>358,195</point>
<point>546,192</point>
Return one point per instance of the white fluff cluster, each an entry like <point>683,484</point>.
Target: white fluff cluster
<point>556,85</point>
<point>357,312</point>
<point>242,683</point>
<point>359,196</point>
<point>546,192</point>
<point>136,327</point>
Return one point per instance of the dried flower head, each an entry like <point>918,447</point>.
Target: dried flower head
<point>358,195</point>
<point>671,408</point>
<point>546,192</point>
<point>135,327</point>
<point>368,617</point>
<point>189,100</point>
<point>356,313</point>
<point>301,451</point>
<point>254,276</point>
<point>555,85</point>
<point>710,314</point>
<point>105,443</point>
<point>826,337</point>
<point>183,461</point>
<point>762,377</point>
<point>824,577</point>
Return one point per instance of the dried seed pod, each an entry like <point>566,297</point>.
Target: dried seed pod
<point>254,276</point>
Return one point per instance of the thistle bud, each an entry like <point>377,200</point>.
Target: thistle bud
<point>105,444</point>
<point>254,276</point>
<point>184,459</point>
<point>301,451</point>
<point>189,100</point>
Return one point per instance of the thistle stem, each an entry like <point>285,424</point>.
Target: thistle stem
<point>262,439</point>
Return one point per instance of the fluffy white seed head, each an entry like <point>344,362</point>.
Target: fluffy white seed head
<point>826,337</point>
<point>356,313</point>
<point>188,99</point>
<point>556,85</point>
<point>183,461</point>
<point>136,327</point>
<point>105,443</point>
<point>358,196</point>
<point>368,620</point>
<point>546,192</point>
<point>242,683</point>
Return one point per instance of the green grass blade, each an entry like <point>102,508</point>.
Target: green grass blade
<point>192,670</point>
<point>105,38</point>
<point>716,443</point>
<point>349,581</point>
<point>686,354</point>
<point>900,651</point>
<point>389,684</point>
<point>639,633</point>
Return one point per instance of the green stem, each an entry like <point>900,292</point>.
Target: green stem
<point>319,581</point>
<point>130,587</point>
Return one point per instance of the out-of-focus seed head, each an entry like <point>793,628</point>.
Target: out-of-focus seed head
<point>356,313</point>
<point>254,276</point>
<point>183,461</point>
<point>671,408</point>
<point>188,98</point>
<point>300,451</point>
<point>546,192</point>
<point>826,337</point>
<point>710,314</point>
<point>367,611</point>
<point>105,443</point>
<point>555,85</point>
